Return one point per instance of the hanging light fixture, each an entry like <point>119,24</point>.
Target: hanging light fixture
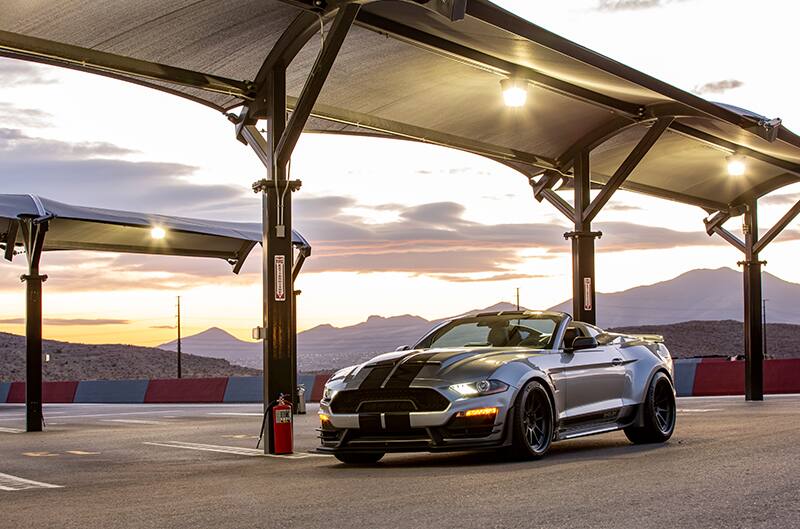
<point>158,233</point>
<point>736,164</point>
<point>515,92</point>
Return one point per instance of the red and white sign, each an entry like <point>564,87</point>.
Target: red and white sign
<point>587,293</point>
<point>280,278</point>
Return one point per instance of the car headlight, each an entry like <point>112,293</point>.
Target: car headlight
<point>328,393</point>
<point>480,388</point>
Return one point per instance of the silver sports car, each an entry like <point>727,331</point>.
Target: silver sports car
<point>513,381</point>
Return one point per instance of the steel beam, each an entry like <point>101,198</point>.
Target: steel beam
<point>626,168</point>
<point>583,273</point>
<point>316,79</point>
<point>559,203</point>
<point>777,228</point>
<point>730,237</point>
<point>548,180</point>
<point>753,330</point>
<point>58,53</point>
<point>735,147</point>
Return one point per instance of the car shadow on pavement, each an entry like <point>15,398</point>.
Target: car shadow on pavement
<point>580,449</point>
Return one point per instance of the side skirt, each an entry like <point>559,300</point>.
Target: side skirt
<point>597,423</point>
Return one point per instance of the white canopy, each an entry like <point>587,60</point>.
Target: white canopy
<point>85,228</point>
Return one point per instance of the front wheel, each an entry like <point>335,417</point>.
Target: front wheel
<point>532,422</point>
<point>359,459</point>
<point>660,412</point>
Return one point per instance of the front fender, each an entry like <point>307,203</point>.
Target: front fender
<point>517,374</point>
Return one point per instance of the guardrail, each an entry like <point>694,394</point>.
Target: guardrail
<point>693,377</point>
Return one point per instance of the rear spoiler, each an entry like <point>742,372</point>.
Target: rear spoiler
<point>656,338</point>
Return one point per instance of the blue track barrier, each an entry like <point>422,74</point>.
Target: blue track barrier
<point>244,389</point>
<point>4,387</point>
<point>111,391</point>
<point>684,376</point>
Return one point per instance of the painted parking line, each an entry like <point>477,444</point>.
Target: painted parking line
<point>39,454</point>
<point>14,483</point>
<point>697,410</point>
<point>236,414</point>
<point>236,450</point>
<point>10,430</point>
<point>134,421</point>
<point>94,415</point>
<point>82,453</point>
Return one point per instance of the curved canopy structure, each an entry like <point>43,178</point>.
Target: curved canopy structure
<point>410,69</point>
<point>86,228</point>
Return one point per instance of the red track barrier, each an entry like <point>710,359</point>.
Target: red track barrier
<point>727,378</point>
<point>52,392</point>
<point>16,393</point>
<point>782,376</point>
<point>719,378</point>
<point>186,390</point>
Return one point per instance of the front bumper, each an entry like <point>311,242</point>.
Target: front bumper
<point>417,431</point>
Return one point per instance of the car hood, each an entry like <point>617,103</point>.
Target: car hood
<point>434,366</point>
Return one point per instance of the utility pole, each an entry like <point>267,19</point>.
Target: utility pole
<point>179,337</point>
<point>517,298</point>
<point>764,323</point>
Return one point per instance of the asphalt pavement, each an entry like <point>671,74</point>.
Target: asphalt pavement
<point>730,464</point>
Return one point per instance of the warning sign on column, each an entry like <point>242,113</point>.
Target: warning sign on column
<point>587,293</point>
<point>280,278</point>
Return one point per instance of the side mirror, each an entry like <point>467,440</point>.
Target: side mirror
<point>403,348</point>
<point>584,342</point>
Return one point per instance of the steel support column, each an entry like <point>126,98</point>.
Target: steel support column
<point>583,283</point>
<point>753,309</point>
<point>753,331</point>
<point>33,235</point>
<point>277,254</point>
<point>275,151</point>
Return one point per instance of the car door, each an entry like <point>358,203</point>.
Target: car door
<point>593,379</point>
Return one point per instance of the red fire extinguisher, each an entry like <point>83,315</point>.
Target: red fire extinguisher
<point>282,426</point>
<point>280,414</point>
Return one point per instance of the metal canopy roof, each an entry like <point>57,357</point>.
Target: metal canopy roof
<point>84,228</point>
<point>405,70</point>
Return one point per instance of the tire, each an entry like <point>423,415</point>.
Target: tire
<point>359,458</point>
<point>660,413</point>
<point>532,422</point>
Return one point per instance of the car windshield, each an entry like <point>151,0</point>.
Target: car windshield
<point>517,330</point>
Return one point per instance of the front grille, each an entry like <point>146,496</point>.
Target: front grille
<point>387,400</point>
<point>386,406</point>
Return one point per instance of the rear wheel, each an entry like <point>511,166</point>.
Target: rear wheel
<point>360,459</point>
<point>532,422</point>
<point>660,413</point>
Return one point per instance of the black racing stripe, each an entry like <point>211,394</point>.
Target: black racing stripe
<point>375,377</point>
<point>370,422</point>
<point>398,422</point>
<point>407,371</point>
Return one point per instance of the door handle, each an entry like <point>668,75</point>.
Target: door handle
<point>616,362</point>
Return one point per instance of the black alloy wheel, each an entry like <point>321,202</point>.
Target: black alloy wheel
<point>533,424</point>
<point>659,413</point>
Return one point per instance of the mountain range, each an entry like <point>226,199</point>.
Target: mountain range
<point>78,361</point>
<point>696,295</point>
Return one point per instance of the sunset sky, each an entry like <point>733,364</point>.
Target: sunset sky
<point>89,140</point>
